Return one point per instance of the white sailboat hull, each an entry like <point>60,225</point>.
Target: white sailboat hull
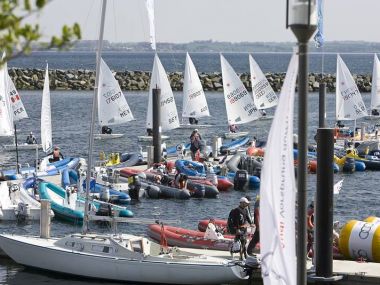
<point>42,253</point>
<point>188,126</point>
<point>12,147</point>
<point>107,136</point>
<point>235,135</point>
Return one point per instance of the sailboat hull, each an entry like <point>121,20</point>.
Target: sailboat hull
<point>12,147</point>
<point>107,136</point>
<point>44,254</point>
<point>150,138</point>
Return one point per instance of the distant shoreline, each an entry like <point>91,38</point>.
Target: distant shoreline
<point>83,79</point>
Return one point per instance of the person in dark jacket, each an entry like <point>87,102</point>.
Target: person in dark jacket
<point>31,139</point>
<point>196,144</point>
<point>239,220</point>
<point>56,153</point>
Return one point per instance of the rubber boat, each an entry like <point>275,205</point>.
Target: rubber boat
<point>190,168</point>
<point>70,176</point>
<point>221,224</point>
<point>188,238</point>
<point>71,208</point>
<point>371,162</point>
<point>233,145</point>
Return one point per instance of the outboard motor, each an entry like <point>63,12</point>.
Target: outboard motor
<point>240,180</point>
<point>257,171</point>
<point>349,165</point>
<point>134,187</point>
<point>116,176</point>
<point>22,212</point>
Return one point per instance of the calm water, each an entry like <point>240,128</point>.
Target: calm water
<point>204,62</point>
<point>71,116</point>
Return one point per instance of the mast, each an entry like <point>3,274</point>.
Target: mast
<point>93,114</point>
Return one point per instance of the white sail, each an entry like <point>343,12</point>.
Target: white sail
<point>18,108</point>
<point>375,94</point>
<point>239,103</point>
<point>263,94</point>
<point>349,102</point>
<point>277,191</point>
<point>6,118</point>
<point>46,129</point>
<point>169,115</point>
<point>113,108</point>
<point>194,98</point>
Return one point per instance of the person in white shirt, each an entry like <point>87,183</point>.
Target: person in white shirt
<point>212,232</point>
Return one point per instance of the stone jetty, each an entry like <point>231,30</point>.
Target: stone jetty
<point>83,79</point>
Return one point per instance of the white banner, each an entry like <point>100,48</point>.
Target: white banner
<point>375,95</point>
<point>278,189</point>
<point>6,118</point>
<point>152,28</point>
<point>349,102</point>
<point>46,129</point>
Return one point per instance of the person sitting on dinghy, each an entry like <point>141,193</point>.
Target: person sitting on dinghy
<point>106,130</point>
<point>149,132</point>
<point>233,128</point>
<point>212,231</point>
<point>56,153</point>
<point>31,139</point>
<point>375,112</point>
<point>193,121</point>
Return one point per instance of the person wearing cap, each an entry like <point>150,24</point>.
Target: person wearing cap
<point>56,153</point>
<point>31,139</point>
<point>238,221</point>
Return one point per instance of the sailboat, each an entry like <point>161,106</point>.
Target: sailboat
<point>113,108</point>
<point>278,191</point>
<point>169,114</point>
<point>46,128</point>
<point>18,112</point>
<point>194,98</point>
<point>349,102</point>
<point>375,92</point>
<point>240,106</point>
<point>263,94</point>
<point>122,257</point>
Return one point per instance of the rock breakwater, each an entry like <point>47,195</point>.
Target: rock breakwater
<point>83,79</point>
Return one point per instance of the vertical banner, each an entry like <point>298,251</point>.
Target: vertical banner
<point>319,36</point>
<point>278,190</point>
<point>152,29</point>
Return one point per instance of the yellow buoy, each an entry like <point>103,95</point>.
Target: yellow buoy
<point>359,239</point>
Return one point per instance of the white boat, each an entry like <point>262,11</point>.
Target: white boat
<point>194,98</point>
<point>16,204</point>
<point>195,126</point>
<point>375,92</point>
<point>169,114</point>
<point>24,146</point>
<point>119,257</point>
<point>107,136</point>
<point>150,138</point>
<point>235,135</point>
<point>125,258</point>
<point>113,108</point>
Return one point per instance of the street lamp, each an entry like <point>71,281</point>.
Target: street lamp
<point>301,17</point>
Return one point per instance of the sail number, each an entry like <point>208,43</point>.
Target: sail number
<point>112,98</point>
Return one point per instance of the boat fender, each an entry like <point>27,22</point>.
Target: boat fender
<point>310,221</point>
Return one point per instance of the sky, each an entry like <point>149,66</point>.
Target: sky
<point>181,21</point>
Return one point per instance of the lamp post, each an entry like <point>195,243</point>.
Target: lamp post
<point>302,19</point>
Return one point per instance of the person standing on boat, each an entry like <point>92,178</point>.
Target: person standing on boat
<point>239,220</point>
<point>196,143</point>
<point>56,153</point>
<point>31,139</point>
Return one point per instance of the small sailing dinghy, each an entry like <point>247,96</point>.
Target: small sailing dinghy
<point>113,108</point>
<point>240,106</point>
<point>194,99</point>
<point>263,94</point>
<point>375,93</point>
